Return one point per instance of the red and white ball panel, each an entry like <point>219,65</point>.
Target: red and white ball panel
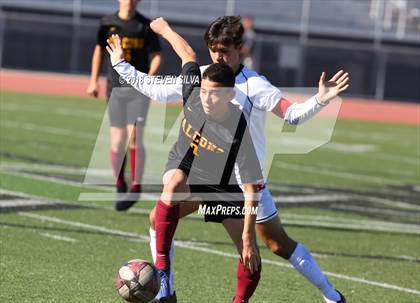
<point>137,281</point>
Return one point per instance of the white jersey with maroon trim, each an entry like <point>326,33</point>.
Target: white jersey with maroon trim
<point>255,95</point>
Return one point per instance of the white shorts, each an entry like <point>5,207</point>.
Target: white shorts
<point>267,209</point>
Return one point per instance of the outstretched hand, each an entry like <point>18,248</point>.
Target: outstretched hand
<point>114,49</point>
<point>328,90</point>
<point>160,26</point>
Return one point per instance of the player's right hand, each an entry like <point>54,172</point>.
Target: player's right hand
<point>93,89</point>
<point>160,26</point>
<point>251,256</point>
<point>114,49</point>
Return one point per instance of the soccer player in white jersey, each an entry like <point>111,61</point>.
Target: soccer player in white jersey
<point>256,96</point>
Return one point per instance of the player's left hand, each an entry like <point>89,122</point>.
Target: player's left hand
<point>328,90</point>
<point>250,256</point>
<point>114,49</point>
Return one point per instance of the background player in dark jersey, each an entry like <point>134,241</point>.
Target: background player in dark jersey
<point>127,115</point>
<point>209,117</point>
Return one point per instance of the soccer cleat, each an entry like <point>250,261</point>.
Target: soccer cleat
<point>129,200</point>
<point>164,294</point>
<point>122,187</point>
<point>172,298</point>
<point>342,298</point>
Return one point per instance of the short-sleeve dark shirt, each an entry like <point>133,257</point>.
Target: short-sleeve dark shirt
<point>137,39</point>
<point>210,148</point>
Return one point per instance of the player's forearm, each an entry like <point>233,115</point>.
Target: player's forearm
<point>298,113</point>
<point>155,64</point>
<point>180,46</point>
<point>251,202</point>
<point>150,86</point>
<point>96,64</point>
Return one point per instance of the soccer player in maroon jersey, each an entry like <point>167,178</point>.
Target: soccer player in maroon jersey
<point>127,108</point>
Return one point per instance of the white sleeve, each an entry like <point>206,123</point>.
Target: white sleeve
<point>263,94</point>
<point>298,113</point>
<point>157,88</point>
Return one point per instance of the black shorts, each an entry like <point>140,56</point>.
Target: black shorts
<point>214,196</point>
<point>127,106</point>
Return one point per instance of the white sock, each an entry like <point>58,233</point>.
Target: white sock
<point>152,234</point>
<point>304,263</point>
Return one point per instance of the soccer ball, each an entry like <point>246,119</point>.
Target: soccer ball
<point>137,281</point>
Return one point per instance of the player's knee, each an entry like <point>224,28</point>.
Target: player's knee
<point>282,248</point>
<point>118,147</point>
<point>118,143</point>
<point>132,142</point>
<point>177,183</point>
<point>277,249</point>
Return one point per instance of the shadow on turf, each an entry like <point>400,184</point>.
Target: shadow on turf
<point>100,233</point>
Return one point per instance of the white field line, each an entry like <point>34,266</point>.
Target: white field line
<point>62,169</point>
<point>376,136</point>
<point>278,143</point>
<point>48,129</point>
<point>139,240</point>
<point>330,222</point>
<point>317,218</point>
<point>294,219</point>
<point>33,128</point>
<point>54,168</point>
<point>349,148</point>
<point>373,210</point>
<point>83,225</point>
<point>59,181</point>
<point>47,168</point>
<point>335,173</point>
<point>20,203</point>
<point>90,197</point>
<point>399,159</point>
<point>397,173</point>
<point>314,198</point>
<point>109,196</point>
<point>296,199</point>
<point>58,237</point>
<point>409,258</point>
<point>351,226</point>
<point>387,202</point>
<point>64,111</point>
<point>212,251</point>
<point>336,197</point>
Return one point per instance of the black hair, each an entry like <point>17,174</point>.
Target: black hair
<point>220,73</point>
<point>227,30</point>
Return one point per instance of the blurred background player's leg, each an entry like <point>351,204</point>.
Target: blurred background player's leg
<point>136,113</point>
<point>118,138</point>
<point>117,155</point>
